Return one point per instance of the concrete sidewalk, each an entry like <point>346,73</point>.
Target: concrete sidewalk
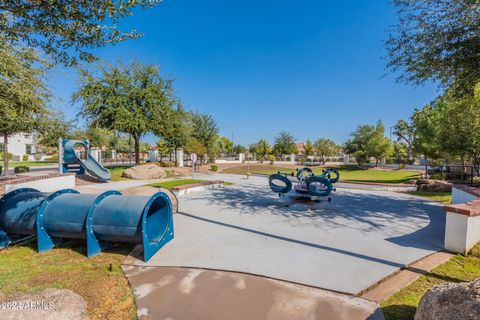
<point>186,293</point>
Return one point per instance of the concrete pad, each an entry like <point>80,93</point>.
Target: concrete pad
<point>346,245</point>
<point>185,293</point>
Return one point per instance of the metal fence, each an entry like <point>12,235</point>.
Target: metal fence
<point>464,173</point>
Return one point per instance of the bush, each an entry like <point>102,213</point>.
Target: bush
<point>214,168</point>
<point>21,169</point>
<point>437,176</point>
<point>271,158</point>
<point>168,164</point>
<point>10,156</point>
<point>25,157</point>
<point>38,157</point>
<point>51,158</point>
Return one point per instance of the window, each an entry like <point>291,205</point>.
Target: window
<point>29,148</point>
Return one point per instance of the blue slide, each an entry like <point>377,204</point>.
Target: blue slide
<point>72,162</point>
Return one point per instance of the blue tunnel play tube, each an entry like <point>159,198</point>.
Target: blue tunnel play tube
<point>66,213</point>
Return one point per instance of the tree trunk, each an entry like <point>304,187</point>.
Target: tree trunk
<point>175,156</point>
<point>136,138</point>
<point>376,162</point>
<point>5,155</point>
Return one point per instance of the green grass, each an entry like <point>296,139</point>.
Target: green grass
<point>13,164</point>
<point>402,305</point>
<point>443,197</point>
<point>106,291</point>
<point>350,173</point>
<point>175,183</point>
<point>116,173</point>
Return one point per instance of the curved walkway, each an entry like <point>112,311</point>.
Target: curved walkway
<point>346,245</point>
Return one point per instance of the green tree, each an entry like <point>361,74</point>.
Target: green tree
<point>205,130</point>
<point>196,146</point>
<point>261,149</point>
<point>436,40</point>
<point>325,148</point>
<point>68,30</point>
<point>23,95</point>
<point>309,148</point>
<point>369,141</point>
<point>176,129</point>
<point>284,144</point>
<point>225,145</point>
<point>128,98</point>
<point>378,146</point>
<point>163,148</point>
<point>238,148</point>
<point>427,134</point>
<point>405,132</point>
<point>52,127</point>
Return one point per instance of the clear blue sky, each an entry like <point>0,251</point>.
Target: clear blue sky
<point>312,68</point>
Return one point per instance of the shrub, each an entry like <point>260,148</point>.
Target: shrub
<point>168,164</point>
<point>437,176</point>
<point>38,157</point>
<point>271,158</point>
<point>476,180</point>
<point>10,156</point>
<point>21,169</point>
<point>51,158</point>
<point>25,157</point>
<point>214,168</point>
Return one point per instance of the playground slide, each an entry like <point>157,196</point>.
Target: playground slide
<point>108,217</point>
<point>70,157</point>
<point>95,168</point>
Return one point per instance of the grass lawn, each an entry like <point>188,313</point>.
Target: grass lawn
<point>351,173</point>
<point>106,291</point>
<point>116,173</point>
<point>175,183</point>
<point>13,164</point>
<point>402,305</point>
<point>443,197</point>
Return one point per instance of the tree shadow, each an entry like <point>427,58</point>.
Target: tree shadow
<point>404,220</point>
<point>399,312</point>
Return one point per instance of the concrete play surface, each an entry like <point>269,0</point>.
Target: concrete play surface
<point>346,245</point>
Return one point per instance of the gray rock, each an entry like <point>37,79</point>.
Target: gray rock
<point>49,304</point>
<point>451,301</point>
<point>144,171</point>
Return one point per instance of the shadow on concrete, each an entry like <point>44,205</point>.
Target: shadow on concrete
<point>300,242</point>
<point>421,223</point>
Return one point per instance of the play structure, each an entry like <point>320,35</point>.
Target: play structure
<point>76,157</point>
<point>98,219</point>
<point>305,184</point>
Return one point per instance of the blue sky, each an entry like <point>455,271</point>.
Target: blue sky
<point>312,68</point>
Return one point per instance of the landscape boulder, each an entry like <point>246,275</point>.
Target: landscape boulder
<point>144,171</point>
<point>434,186</point>
<point>451,301</point>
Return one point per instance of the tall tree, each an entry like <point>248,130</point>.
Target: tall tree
<point>175,129</point>
<point>205,130</point>
<point>309,148</point>
<point>325,148</point>
<point>369,141</point>
<point>261,149</point>
<point>52,127</point>
<point>126,98</point>
<point>225,145</point>
<point>427,135</point>
<point>23,95</point>
<point>68,30</point>
<point>436,40</point>
<point>405,132</point>
<point>284,144</point>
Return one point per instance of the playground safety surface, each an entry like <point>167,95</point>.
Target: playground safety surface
<point>347,245</point>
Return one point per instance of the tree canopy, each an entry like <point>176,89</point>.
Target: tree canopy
<point>325,148</point>
<point>436,40</point>
<point>68,30</point>
<point>23,94</point>
<point>284,144</point>
<point>127,98</point>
